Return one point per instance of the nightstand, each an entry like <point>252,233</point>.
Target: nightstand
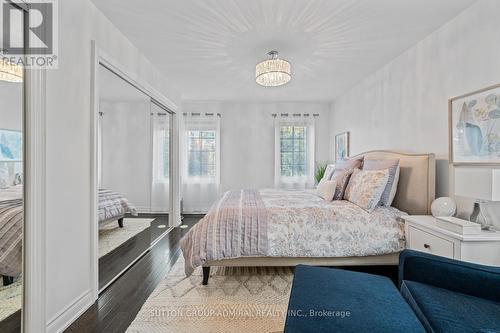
<point>422,234</point>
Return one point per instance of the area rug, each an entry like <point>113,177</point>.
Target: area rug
<point>11,298</point>
<point>241,300</point>
<point>111,235</point>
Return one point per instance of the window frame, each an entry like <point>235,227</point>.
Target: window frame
<point>293,139</point>
<point>200,152</point>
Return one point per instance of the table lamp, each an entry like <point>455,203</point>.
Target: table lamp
<point>481,184</point>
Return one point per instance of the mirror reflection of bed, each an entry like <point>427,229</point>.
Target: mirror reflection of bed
<point>11,197</point>
<point>133,160</point>
<point>11,233</point>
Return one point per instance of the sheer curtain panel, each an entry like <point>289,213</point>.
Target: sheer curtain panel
<point>200,161</point>
<point>294,151</point>
<point>160,188</point>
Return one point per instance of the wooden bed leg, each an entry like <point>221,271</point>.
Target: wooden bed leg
<point>206,275</point>
<point>120,222</point>
<point>7,280</point>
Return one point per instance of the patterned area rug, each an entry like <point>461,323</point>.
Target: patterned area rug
<point>235,300</point>
<point>111,235</point>
<point>11,298</point>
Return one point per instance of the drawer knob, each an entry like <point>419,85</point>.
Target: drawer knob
<point>427,246</point>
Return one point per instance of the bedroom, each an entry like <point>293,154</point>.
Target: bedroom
<point>365,76</point>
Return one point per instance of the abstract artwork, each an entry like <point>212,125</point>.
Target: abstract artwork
<point>341,146</point>
<point>475,127</point>
<point>11,146</point>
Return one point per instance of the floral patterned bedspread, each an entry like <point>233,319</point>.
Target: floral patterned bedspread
<point>290,224</point>
<point>301,224</point>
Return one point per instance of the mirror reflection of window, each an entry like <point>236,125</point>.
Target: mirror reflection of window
<point>11,183</point>
<point>133,154</point>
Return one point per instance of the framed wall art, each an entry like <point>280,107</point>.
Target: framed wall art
<point>474,127</point>
<point>341,146</point>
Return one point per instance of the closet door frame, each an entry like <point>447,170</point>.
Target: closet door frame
<point>33,312</point>
<point>101,58</point>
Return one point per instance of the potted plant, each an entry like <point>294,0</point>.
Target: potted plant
<point>320,172</point>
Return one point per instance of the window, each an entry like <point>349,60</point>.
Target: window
<point>293,151</point>
<point>201,153</point>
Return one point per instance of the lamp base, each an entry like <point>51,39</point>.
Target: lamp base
<point>478,216</point>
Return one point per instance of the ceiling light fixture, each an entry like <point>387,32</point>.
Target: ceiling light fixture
<point>273,72</point>
<point>10,72</point>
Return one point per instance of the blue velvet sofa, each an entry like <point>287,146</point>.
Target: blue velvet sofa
<point>436,295</point>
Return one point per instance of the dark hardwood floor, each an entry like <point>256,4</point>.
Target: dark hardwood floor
<point>111,264</point>
<point>118,305</point>
<point>11,324</point>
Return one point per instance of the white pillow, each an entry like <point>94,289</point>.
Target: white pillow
<point>330,168</point>
<point>326,189</point>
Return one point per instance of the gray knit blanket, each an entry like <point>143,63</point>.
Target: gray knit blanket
<point>236,226</point>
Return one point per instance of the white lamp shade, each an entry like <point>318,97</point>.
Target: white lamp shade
<point>478,183</point>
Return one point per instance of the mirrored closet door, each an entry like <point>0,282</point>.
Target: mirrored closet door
<point>134,170</point>
<point>11,175</point>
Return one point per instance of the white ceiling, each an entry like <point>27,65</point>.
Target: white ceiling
<point>209,48</point>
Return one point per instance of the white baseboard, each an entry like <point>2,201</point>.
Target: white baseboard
<point>66,317</point>
<point>150,210</point>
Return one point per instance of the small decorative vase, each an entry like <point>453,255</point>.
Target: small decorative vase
<point>443,207</point>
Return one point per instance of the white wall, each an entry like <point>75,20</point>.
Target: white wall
<point>247,138</point>
<point>68,240</point>
<point>126,151</point>
<point>403,106</point>
<point>11,101</point>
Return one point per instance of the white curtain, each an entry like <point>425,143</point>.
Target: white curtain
<point>294,182</point>
<point>160,188</point>
<point>199,192</point>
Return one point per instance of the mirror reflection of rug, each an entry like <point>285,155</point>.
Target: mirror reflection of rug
<point>11,298</point>
<point>111,235</point>
<point>236,299</point>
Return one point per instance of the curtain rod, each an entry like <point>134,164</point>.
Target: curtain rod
<point>199,114</point>
<point>152,114</point>
<point>296,115</point>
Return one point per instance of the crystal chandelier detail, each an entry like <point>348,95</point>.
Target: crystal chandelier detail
<point>273,72</point>
<point>10,72</point>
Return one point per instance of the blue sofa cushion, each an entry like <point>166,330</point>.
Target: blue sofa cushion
<point>357,302</point>
<point>462,277</point>
<point>442,310</point>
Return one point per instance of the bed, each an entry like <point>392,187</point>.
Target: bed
<point>112,207</point>
<point>11,232</point>
<point>287,228</point>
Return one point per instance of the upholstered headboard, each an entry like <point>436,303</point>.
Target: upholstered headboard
<point>417,183</point>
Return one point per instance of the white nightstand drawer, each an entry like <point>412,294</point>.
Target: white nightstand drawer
<point>423,241</point>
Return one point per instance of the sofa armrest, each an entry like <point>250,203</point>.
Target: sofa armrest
<point>462,277</point>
